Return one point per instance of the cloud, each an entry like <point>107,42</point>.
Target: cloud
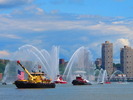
<point>42,25</point>
<point>10,36</point>
<point>4,54</point>
<point>40,11</point>
<point>42,21</point>
<point>13,3</point>
<point>120,43</point>
<point>33,9</point>
<point>118,22</point>
<point>32,25</point>
<point>107,29</point>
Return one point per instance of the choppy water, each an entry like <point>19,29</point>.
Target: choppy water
<point>113,91</point>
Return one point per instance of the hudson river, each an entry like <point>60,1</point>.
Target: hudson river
<point>114,91</point>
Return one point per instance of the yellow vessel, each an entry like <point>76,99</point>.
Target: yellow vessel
<point>35,80</point>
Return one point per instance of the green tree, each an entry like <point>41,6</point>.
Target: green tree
<point>2,67</point>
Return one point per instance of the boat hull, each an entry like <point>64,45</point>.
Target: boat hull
<point>60,82</point>
<point>76,82</point>
<point>25,84</point>
<point>107,82</point>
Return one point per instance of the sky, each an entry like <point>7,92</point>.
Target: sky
<point>68,24</point>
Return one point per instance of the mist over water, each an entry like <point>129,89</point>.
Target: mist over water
<point>79,63</point>
<point>119,75</point>
<point>31,57</point>
<point>102,76</point>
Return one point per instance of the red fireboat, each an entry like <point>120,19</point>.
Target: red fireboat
<point>80,81</point>
<point>107,82</point>
<point>60,80</point>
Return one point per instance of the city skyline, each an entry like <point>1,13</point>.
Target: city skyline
<point>69,24</point>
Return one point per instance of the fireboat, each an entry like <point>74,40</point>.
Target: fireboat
<point>60,80</point>
<point>80,81</point>
<point>35,80</point>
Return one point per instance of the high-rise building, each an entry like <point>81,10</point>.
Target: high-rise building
<point>107,57</point>
<point>126,60</point>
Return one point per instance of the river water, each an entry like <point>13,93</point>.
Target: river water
<point>114,91</point>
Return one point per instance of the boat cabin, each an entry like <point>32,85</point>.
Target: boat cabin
<point>37,73</point>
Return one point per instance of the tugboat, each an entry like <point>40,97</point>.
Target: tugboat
<point>60,80</point>
<point>35,80</point>
<point>80,81</point>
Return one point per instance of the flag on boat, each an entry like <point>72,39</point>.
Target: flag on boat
<point>20,75</point>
